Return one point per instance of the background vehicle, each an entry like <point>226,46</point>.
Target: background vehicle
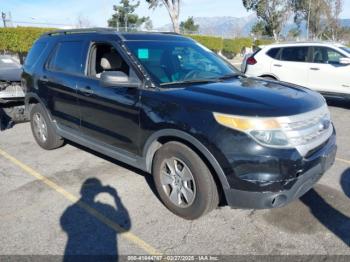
<point>11,92</point>
<point>323,67</point>
<point>167,105</point>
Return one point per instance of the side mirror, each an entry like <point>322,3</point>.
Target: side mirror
<point>344,61</point>
<point>116,78</point>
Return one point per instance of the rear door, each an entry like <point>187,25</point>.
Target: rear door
<point>63,71</point>
<point>326,73</point>
<point>291,65</point>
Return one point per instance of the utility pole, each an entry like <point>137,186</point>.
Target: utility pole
<point>126,19</point>
<point>3,16</point>
<point>308,21</point>
<point>118,16</point>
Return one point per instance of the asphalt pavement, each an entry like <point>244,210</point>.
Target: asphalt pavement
<point>75,201</point>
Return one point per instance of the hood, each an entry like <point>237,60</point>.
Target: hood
<point>11,74</point>
<point>250,97</point>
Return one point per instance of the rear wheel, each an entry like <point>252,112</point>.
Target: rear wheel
<point>43,130</point>
<point>183,181</point>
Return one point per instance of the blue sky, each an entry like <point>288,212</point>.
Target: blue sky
<point>66,12</point>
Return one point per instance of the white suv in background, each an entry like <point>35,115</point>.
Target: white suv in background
<point>324,67</point>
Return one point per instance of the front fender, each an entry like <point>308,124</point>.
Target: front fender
<point>152,145</point>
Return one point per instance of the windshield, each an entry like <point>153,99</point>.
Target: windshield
<point>170,62</point>
<point>346,49</point>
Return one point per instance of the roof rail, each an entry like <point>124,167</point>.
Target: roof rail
<point>81,31</point>
<point>167,33</point>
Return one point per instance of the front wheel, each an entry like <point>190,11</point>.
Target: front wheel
<point>183,181</point>
<point>43,130</point>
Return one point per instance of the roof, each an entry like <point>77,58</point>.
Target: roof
<point>122,35</point>
<point>319,43</point>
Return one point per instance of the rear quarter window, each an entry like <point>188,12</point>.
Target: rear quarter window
<point>273,53</point>
<point>34,53</point>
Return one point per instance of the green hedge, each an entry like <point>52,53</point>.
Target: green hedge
<point>260,42</point>
<point>231,47</point>
<point>212,42</point>
<point>19,39</point>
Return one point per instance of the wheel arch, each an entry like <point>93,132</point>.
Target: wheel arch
<point>31,99</point>
<point>168,135</point>
<point>269,75</point>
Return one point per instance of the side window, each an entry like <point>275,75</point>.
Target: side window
<point>333,56</point>
<point>295,54</point>
<point>35,53</point>
<point>273,52</point>
<point>325,55</point>
<point>104,57</point>
<point>67,57</point>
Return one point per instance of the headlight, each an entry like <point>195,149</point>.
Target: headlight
<point>276,138</point>
<point>266,131</point>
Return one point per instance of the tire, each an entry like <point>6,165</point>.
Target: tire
<point>45,136</point>
<point>205,195</point>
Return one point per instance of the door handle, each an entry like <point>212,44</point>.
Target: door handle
<point>86,91</point>
<point>314,68</point>
<point>277,65</point>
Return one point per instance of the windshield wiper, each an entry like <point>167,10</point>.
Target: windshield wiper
<point>193,81</point>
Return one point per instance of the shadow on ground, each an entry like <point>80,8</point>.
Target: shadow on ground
<point>345,182</point>
<point>90,239</point>
<point>337,102</point>
<point>5,121</point>
<point>147,177</point>
<point>322,209</point>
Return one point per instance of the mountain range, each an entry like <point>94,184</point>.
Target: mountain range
<point>227,26</point>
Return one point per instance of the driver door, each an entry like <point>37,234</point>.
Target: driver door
<point>326,74</point>
<point>109,114</point>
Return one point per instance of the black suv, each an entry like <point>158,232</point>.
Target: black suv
<point>167,105</point>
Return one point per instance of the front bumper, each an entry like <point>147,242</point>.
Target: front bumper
<point>285,191</point>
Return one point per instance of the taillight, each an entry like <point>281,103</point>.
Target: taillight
<point>251,61</point>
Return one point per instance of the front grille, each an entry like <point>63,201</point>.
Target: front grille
<point>309,130</point>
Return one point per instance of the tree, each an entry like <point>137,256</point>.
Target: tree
<point>318,15</point>
<point>173,7</point>
<point>271,13</point>
<point>259,29</point>
<point>83,22</point>
<point>189,26</point>
<point>124,16</point>
<point>333,26</point>
<point>149,24</point>
<point>294,33</point>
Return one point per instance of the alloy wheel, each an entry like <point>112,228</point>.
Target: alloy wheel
<point>178,182</point>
